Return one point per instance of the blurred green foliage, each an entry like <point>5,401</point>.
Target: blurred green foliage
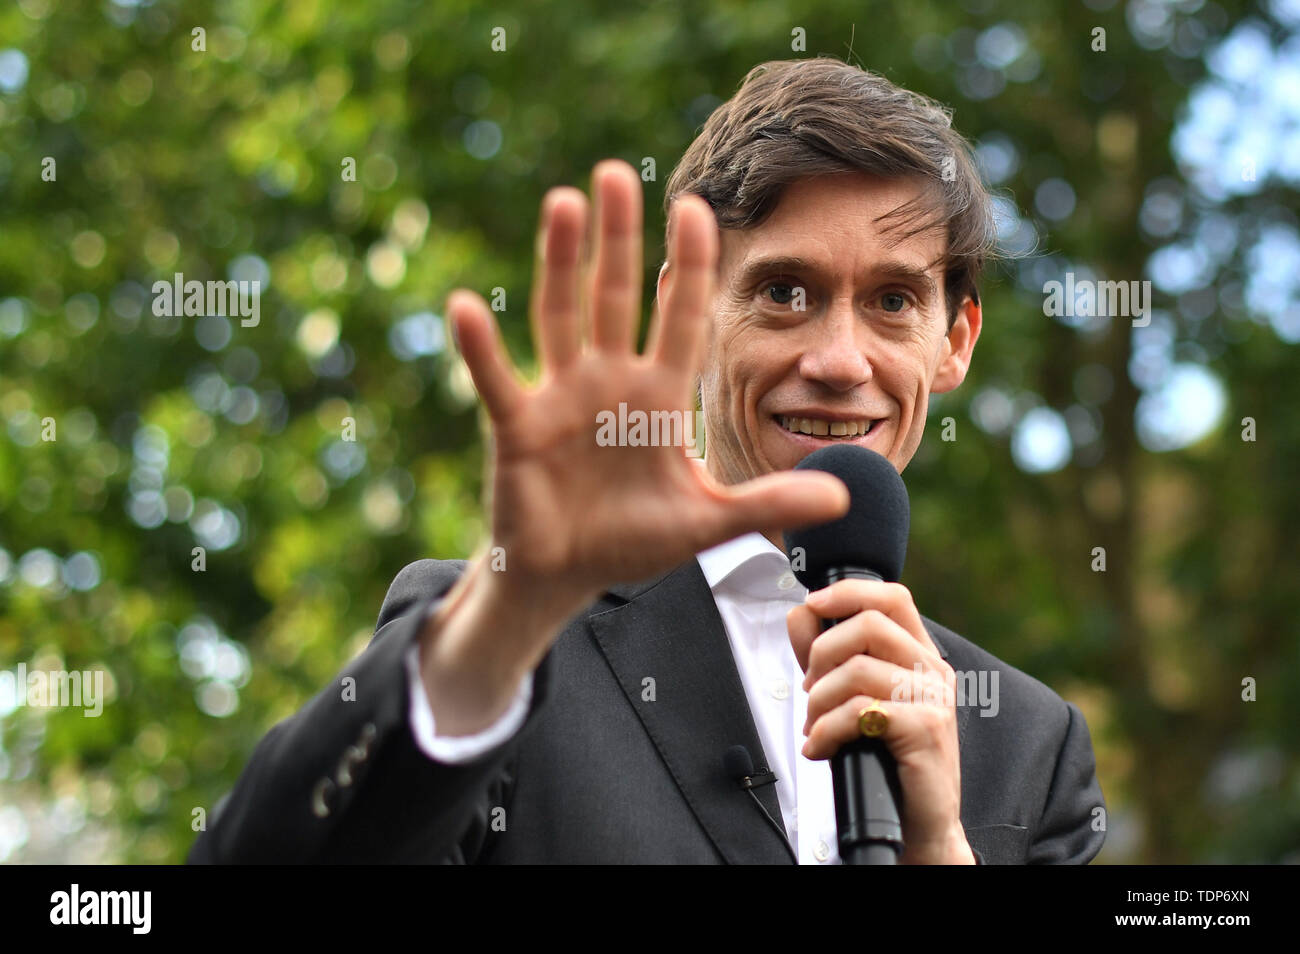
<point>174,433</point>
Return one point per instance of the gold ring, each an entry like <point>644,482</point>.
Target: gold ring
<point>873,720</point>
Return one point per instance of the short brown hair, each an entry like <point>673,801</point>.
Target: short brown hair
<point>793,119</point>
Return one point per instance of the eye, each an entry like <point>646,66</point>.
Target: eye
<point>893,301</point>
<point>780,293</point>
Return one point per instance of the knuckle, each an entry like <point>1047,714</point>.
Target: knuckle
<point>900,688</point>
<point>860,667</point>
<point>934,720</point>
<point>872,619</point>
<point>936,691</point>
<point>899,594</point>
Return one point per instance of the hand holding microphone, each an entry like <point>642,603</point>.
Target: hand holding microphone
<point>859,639</point>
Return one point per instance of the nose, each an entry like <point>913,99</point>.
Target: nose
<point>834,354</point>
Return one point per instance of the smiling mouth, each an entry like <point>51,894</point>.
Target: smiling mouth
<point>829,430</point>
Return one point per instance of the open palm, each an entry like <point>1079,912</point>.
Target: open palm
<point>568,511</point>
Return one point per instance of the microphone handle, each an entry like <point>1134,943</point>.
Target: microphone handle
<point>867,789</point>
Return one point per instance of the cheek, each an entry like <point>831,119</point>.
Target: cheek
<point>730,393</point>
<point>732,358</point>
<point>900,376</point>
<point>907,371</point>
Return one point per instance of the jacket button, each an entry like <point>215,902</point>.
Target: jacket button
<point>319,807</point>
<point>368,733</point>
<point>351,756</point>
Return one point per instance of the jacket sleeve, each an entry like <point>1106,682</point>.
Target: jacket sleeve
<point>343,780</point>
<point>1073,824</point>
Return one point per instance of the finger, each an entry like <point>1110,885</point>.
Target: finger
<point>839,726</point>
<point>776,502</point>
<point>804,626</point>
<point>476,335</point>
<point>555,298</point>
<point>870,632</point>
<point>652,336</point>
<point>616,280</point>
<point>848,597</point>
<point>688,300</point>
<point>868,676</point>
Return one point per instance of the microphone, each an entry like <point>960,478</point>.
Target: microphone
<point>739,765</point>
<point>867,543</point>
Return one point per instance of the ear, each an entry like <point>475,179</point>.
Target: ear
<point>958,346</point>
<point>661,289</point>
<point>661,285</point>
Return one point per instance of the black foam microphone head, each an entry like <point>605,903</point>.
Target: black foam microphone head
<point>871,536</point>
<point>737,762</point>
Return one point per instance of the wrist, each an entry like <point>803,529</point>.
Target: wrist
<point>951,849</point>
<point>490,630</point>
<point>502,580</point>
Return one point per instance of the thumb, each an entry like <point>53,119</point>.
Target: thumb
<point>782,501</point>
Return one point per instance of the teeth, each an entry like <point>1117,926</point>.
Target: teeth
<point>820,428</point>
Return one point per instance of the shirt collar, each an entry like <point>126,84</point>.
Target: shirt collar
<point>751,564</point>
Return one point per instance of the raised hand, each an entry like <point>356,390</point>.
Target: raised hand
<point>569,515</point>
<point>564,508</point>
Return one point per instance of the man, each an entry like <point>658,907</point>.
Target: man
<point>570,693</point>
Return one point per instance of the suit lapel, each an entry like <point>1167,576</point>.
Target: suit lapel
<point>963,711</point>
<point>669,630</point>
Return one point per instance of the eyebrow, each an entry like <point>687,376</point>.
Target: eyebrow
<point>894,269</point>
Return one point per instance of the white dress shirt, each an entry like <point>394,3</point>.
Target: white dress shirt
<point>754,589</point>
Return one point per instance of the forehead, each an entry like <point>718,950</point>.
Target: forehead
<point>845,224</point>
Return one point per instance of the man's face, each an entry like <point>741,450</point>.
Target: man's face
<point>859,361</point>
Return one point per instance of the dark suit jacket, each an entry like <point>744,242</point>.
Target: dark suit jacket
<point>598,775</point>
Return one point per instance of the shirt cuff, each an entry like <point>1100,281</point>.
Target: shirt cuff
<point>455,749</point>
